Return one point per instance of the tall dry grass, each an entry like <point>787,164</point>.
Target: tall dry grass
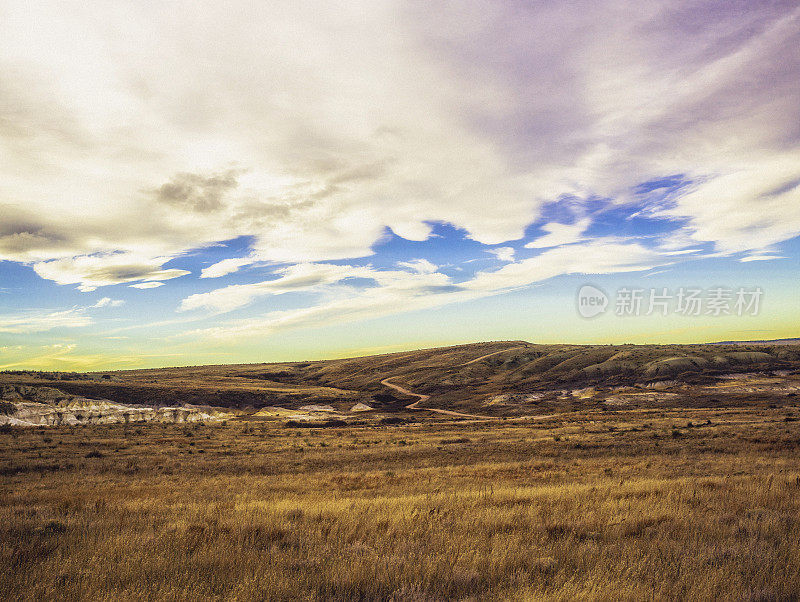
<point>604,507</point>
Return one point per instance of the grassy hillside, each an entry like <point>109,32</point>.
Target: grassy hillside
<point>504,378</point>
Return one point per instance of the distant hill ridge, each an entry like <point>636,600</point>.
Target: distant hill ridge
<point>794,341</point>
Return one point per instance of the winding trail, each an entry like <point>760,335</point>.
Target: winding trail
<point>421,398</point>
<point>483,357</point>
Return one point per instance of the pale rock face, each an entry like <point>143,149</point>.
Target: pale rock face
<point>662,384</point>
<point>497,400</point>
<point>361,407</point>
<point>317,408</point>
<point>627,397</point>
<point>303,413</point>
<point>43,406</point>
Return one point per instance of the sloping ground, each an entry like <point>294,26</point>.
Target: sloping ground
<point>340,383</point>
<point>216,386</point>
<point>537,373</point>
<point>463,378</point>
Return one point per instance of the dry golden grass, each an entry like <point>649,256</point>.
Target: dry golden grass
<point>606,506</point>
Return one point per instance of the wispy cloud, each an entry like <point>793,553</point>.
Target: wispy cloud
<point>65,356</point>
<point>307,277</point>
<point>421,266</point>
<point>502,253</point>
<point>401,291</point>
<point>92,271</point>
<point>108,302</point>
<point>761,258</point>
<point>37,321</point>
<point>560,234</point>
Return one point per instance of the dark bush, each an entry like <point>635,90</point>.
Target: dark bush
<point>315,424</point>
<point>393,420</point>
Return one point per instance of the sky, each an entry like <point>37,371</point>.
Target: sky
<point>199,182</point>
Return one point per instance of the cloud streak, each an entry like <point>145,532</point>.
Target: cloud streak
<point>92,271</point>
<point>38,321</point>
<point>393,291</point>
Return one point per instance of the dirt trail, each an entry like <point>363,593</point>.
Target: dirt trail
<point>483,357</point>
<point>421,398</point>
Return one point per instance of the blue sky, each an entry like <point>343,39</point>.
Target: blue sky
<point>279,180</point>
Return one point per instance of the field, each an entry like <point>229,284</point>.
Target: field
<point>600,504</point>
<point>491,471</point>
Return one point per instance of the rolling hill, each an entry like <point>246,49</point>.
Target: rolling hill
<point>492,378</point>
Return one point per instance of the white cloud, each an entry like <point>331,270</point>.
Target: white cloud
<point>146,285</point>
<point>599,256</point>
<point>312,153</point>
<point>343,305</point>
<point>108,302</point>
<point>313,127</point>
<point>397,291</point>
<point>422,266</point>
<point>225,267</point>
<point>560,234</point>
<point>680,252</point>
<point>294,278</point>
<point>307,277</point>
<point>502,253</point>
<point>761,258</point>
<point>92,271</point>
<point>751,207</point>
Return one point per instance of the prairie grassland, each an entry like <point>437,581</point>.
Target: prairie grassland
<point>665,505</point>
